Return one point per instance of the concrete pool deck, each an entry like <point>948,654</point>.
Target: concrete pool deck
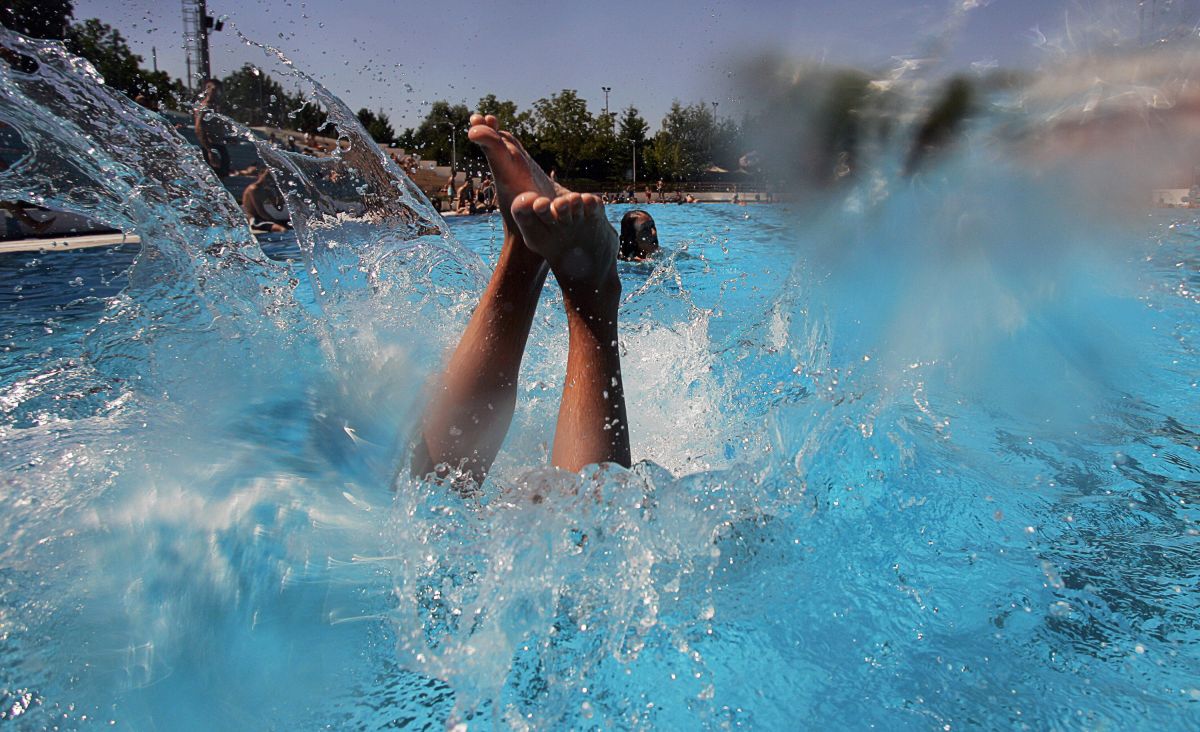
<point>64,243</point>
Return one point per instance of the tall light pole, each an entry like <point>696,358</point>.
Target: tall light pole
<point>197,24</point>
<point>453,148</point>
<point>205,60</point>
<point>611,121</point>
<point>714,129</point>
<point>633,146</point>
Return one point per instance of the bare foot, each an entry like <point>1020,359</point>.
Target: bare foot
<point>576,240</point>
<point>573,235</point>
<point>512,169</point>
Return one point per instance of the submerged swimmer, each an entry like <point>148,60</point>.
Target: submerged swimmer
<point>546,229</point>
<point>639,236</point>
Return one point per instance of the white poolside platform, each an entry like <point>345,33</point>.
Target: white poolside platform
<point>63,243</point>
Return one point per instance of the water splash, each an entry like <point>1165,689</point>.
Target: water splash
<point>924,444</point>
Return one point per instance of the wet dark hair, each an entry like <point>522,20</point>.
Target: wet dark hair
<point>634,224</point>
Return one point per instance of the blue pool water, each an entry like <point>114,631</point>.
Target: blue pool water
<point>928,462</point>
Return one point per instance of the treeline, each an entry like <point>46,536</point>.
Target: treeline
<point>99,43</point>
<point>253,98</point>
<point>562,134</point>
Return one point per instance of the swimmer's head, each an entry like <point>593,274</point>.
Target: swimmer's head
<point>639,236</point>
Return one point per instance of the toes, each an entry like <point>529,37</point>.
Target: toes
<point>484,136</point>
<point>563,210</point>
<point>591,205</point>
<point>541,208</point>
<point>488,120</point>
<point>522,207</point>
<point>575,201</point>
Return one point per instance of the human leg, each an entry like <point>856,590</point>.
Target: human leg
<point>474,400</point>
<point>571,232</point>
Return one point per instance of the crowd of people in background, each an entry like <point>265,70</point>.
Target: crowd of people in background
<point>476,194</point>
<point>466,198</point>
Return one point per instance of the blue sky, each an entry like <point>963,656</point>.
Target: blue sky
<point>399,55</point>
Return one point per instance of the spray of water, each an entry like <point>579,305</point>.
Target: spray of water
<point>908,433</point>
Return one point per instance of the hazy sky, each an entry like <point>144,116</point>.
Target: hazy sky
<point>372,52</point>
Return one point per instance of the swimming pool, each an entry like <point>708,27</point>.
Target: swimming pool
<point>908,468</point>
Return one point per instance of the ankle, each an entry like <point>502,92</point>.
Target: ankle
<point>519,259</point>
<point>593,299</point>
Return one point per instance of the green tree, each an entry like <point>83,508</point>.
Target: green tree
<point>727,144</point>
<point>662,158</point>
<point>98,42</point>
<point>432,138</point>
<point>507,114</point>
<point>632,126</point>
<point>307,115</point>
<point>121,68</point>
<point>37,18</point>
<point>407,139</point>
<point>563,128</point>
<point>159,87</point>
<point>377,125</point>
<point>684,145</point>
<point>253,98</point>
<point>631,135</point>
<point>602,151</point>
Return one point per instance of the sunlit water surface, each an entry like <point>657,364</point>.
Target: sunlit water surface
<point>897,470</point>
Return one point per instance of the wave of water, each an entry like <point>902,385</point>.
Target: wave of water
<point>918,456</point>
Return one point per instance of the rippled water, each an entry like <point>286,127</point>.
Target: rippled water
<point>923,461</point>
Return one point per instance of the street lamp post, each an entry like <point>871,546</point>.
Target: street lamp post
<point>453,148</point>
<point>714,105</point>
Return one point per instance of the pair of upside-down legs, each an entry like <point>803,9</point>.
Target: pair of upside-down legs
<point>546,229</point>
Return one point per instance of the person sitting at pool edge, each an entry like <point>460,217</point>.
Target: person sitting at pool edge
<point>639,236</point>
<point>263,205</point>
<point>547,229</point>
<point>466,195</point>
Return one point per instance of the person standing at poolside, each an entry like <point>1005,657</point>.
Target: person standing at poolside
<point>547,229</point>
<point>466,195</point>
<point>487,193</point>
<point>207,129</point>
